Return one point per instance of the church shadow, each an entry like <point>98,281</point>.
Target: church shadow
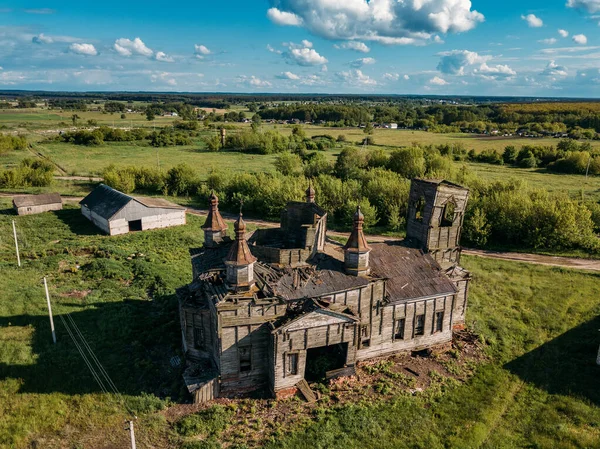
<point>565,365</point>
<point>133,340</point>
<point>76,222</point>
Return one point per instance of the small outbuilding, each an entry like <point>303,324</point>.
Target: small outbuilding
<point>35,204</point>
<point>117,213</point>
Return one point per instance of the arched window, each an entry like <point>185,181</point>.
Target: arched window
<point>420,208</point>
<point>448,214</point>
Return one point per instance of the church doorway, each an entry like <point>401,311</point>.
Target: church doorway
<point>323,359</point>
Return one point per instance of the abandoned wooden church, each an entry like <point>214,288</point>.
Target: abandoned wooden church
<point>286,305</point>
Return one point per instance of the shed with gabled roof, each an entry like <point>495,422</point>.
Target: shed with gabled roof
<point>118,213</point>
<point>35,204</point>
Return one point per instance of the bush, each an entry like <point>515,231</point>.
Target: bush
<point>288,164</point>
<point>29,173</point>
<point>106,269</point>
<point>145,403</point>
<point>209,422</point>
<point>181,180</point>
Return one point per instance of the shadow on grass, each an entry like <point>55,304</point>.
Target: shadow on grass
<point>565,365</point>
<point>8,211</point>
<point>76,222</point>
<point>133,340</point>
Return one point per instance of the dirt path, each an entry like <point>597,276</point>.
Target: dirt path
<point>539,259</point>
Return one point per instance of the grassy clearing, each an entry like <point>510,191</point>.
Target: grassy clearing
<point>539,325</point>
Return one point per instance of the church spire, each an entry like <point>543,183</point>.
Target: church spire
<point>239,260</point>
<point>214,227</point>
<point>356,249</point>
<point>310,193</point>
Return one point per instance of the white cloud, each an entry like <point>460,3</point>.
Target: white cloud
<point>201,50</point>
<point>163,57</point>
<point>553,51</point>
<point>127,47</point>
<point>283,17</point>
<point>438,81</point>
<point>406,77</point>
<point>389,22</point>
<point>353,45</point>
<point>83,49</point>
<point>549,41</point>
<point>454,62</point>
<point>532,20</point>
<point>307,44</point>
<point>563,33</point>
<point>499,71</point>
<point>362,61</point>
<point>590,6</point>
<point>288,76</point>
<point>553,69</point>
<point>304,55</point>
<point>253,81</point>
<point>391,76</point>
<point>356,78</point>
<point>273,50</point>
<point>580,39</point>
<point>44,39</point>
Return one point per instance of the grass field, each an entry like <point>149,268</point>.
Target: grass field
<point>539,327</point>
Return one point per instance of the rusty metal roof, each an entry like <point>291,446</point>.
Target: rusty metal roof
<point>36,200</point>
<point>214,220</point>
<point>357,241</point>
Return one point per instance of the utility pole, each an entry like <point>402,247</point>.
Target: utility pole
<point>16,243</point>
<point>50,311</point>
<point>132,435</point>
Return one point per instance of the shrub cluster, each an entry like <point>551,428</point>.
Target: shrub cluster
<point>29,173</point>
<point>10,143</point>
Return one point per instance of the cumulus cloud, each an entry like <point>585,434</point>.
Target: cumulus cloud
<point>563,33</point>
<point>127,47</point>
<point>362,61</point>
<point>201,51</point>
<point>532,20</point>
<point>356,78</point>
<point>253,81</point>
<point>83,49</point>
<point>549,41</point>
<point>283,17</point>
<point>353,45</point>
<point>454,62</point>
<point>580,39</point>
<point>495,72</point>
<point>406,77</point>
<point>591,6</point>
<point>163,57</point>
<point>436,80</point>
<point>553,69</point>
<point>391,76</point>
<point>389,22</point>
<point>303,55</point>
<point>44,39</point>
<point>288,76</point>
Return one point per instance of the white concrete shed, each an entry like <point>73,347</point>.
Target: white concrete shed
<point>117,213</point>
<point>35,204</point>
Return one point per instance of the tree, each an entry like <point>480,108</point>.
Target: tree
<point>150,115</point>
<point>288,164</point>
<point>181,179</point>
<point>123,116</point>
<point>368,128</point>
<point>408,162</point>
<point>74,119</point>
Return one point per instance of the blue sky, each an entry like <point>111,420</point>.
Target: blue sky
<point>534,48</point>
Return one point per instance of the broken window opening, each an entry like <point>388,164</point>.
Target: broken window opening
<point>439,321</point>
<point>448,214</point>
<point>399,329</point>
<point>198,337</point>
<point>245,356</point>
<point>292,364</point>
<point>420,325</point>
<point>420,209</point>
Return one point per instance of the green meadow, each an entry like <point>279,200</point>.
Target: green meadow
<point>537,387</point>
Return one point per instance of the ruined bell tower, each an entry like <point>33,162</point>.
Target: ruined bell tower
<point>436,211</point>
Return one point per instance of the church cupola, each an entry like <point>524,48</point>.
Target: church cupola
<point>240,261</point>
<point>310,194</point>
<point>356,249</point>
<point>214,227</point>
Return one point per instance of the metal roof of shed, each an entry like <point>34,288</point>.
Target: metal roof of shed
<point>36,200</point>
